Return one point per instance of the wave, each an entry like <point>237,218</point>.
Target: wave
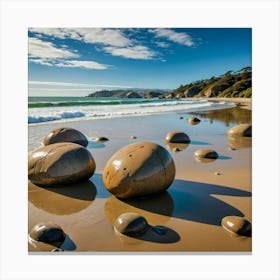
<point>46,114</point>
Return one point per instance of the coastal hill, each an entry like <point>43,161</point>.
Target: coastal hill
<point>129,93</point>
<point>230,84</point>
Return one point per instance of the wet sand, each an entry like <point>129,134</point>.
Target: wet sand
<point>192,207</point>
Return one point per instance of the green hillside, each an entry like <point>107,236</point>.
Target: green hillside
<point>230,84</point>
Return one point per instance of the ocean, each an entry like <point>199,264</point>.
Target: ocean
<point>61,109</point>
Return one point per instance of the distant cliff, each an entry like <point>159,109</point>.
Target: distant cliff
<point>230,84</point>
<point>135,93</point>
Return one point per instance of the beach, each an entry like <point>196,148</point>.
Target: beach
<point>192,207</point>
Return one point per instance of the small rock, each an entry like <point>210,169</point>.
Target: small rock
<point>65,134</point>
<point>132,137</point>
<point>193,121</point>
<point>131,224</point>
<point>101,139</point>
<point>206,153</point>
<point>244,130</point>
<point>59,164</point>
<point>217,173</point>
<point>177,136</point>
<point>139,169</point>
<point>49,233</point>
<point>181,118</point>
<point>236,225</point>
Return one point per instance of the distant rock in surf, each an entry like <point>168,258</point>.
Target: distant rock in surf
<point>59,164</point>
<point>193,121</point>
<point>138,170</point>
<point>177,136</point>
<point>66,134</point>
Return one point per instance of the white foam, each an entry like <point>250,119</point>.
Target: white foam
<point>38,115</point>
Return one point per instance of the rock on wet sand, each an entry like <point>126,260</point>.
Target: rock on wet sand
<point>60,163</point>
<point>244,130</point>
<point>139,169</point>
<point>177,136</point>
<point>66,134</point>
<point>236,225</point>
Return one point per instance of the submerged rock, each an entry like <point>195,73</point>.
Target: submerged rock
<point>244,130</point>
<point>236,225</point>
<point>206,153</point>
<point>49,233</point>
<point>60,163</point>
<point>65,134</point>
<point>139,169</point>
<point>193,121</point>
<point>131,224</point>
<point>177,136</point>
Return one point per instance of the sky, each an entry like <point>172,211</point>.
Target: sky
<point>79,61</point>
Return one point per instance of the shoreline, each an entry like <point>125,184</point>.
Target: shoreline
<point>245,103</point>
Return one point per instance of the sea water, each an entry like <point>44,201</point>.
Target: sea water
<point>61,109</point>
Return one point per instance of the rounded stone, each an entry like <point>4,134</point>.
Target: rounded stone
<point>177,136</point>
<point>244,130</point>
<point>206,153</point>
<point>139,169</point>
<point>101,139</point>
<point>131,224</point>
<point>49,233</point>
<point>236,225</point>
<point>193,121</point>
<point>176,147</point>
<point>239,142</point>
<point>59,164</point>
<point>65,134</point>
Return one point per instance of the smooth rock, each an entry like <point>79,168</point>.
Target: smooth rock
<point>59,164</point>
<point>206,153</point>
<point>239,142</point>
<point>244,130</point>
<point>139,169</point>
<point>132,137</point>
<point>101,139</point>
<point>49,233</point>
<point>193,121</point>
<point>65,134</point>
<point>236,225</point>
<point>177,136</point>
<point>131,224</point>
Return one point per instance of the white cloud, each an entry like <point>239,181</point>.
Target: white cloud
<point>177,37</point>
<point>162,44</point>
<point>135,52</point>
<point>47,50</point>
<point>81,64</point>
<point>111,37</point>
<point>65,84</point>
<point>41,61</point>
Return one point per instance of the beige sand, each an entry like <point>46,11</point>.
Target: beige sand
<point>192,207</point>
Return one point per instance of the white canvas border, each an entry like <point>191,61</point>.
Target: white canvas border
<point>262,16</point>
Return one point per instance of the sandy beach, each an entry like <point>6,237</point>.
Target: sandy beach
<point>192,207</point>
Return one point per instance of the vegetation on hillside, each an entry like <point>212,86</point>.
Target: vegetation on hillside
<point>230,84</point>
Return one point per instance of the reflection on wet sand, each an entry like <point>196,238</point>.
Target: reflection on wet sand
<point>176,147</point>
<point>237,143</point>
<point>62,200</point>
<point>160,203</point>
<point>229,116</point>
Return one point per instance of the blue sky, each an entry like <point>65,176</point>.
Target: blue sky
<point>78,61</point>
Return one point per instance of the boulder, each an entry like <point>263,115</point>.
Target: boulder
<point>49,233</point>
<point>138,170</point>
<point>206,153</point>
<point>193,121</point>
<point>59,164</point>
<point>66,134</point>
<point>244,130</point>
<point>177,136</point>
<point>236,225</point>
<point>131,224</point>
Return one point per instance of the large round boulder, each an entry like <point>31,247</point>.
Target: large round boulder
<point>177,136</point>
<point>139,169</point>
<point>244,130</point>
<point>66,134</point>
<point>59,164</point>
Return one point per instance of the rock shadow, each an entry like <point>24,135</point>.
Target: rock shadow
<point>199,143</point>
<point>193,201</point>
<point>95,145</point>
<point>224,157</point>
<point>102,192</point>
